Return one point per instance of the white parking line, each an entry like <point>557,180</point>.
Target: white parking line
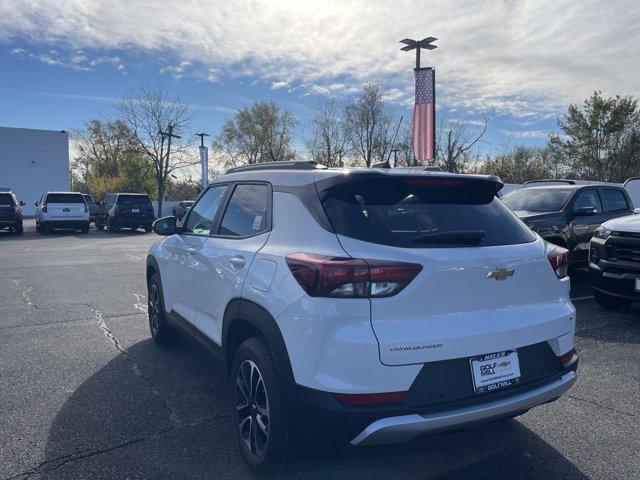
<point>586,297</point>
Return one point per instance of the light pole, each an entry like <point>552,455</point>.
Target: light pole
<point>418,45</point>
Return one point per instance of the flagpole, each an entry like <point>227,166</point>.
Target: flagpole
<point>433,160</point>
<point>417,45</point>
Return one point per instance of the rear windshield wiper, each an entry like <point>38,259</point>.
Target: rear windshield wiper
<point>453,237</point>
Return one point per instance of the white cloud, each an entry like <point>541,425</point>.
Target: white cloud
<point>527,133</point>
<point>527,58</point>
<point>278,85</point>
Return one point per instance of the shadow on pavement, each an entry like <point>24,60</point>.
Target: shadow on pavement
<point>163,413</point>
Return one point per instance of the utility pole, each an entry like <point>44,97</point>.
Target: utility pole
<point>169,135</point>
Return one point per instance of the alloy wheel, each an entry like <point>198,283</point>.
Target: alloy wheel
<point>154,309</point>
<point>252,408</point>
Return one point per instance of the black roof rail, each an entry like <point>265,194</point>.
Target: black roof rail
<point>288,165</point>
<point>559,180</point>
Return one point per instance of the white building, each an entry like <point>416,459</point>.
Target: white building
<point>33,162</point>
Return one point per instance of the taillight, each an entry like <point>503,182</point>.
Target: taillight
<point>559,259</point>
<point>370,399</point>
<point>86,208</point>
<point>566,359</point>
<point>328,276</point>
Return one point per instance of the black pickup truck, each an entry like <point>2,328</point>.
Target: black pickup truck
<point>567,214</point>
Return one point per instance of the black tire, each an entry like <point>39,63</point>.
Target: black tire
<point>39,229</point>
<point>99,226</point>
<point>266,453</point>
<point>19,230</point>
<point>85,229</point>
<point>611,302</point>
<point>148,228</point>
<point>112,227</point>
<point>161,332</point>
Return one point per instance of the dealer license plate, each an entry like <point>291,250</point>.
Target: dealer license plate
<point>494,371</point>
<point>135,210</point>
<point>637,284</point>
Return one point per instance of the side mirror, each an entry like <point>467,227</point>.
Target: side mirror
<point>585,211</point>
<point>22,203</point>
<point>36,204</point>
<point>166,226</point>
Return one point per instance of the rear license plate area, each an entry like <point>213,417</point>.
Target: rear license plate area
<point>135,210</point>
<point>495,371</point>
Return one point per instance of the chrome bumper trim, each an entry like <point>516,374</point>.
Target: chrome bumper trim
<point>405,427</point>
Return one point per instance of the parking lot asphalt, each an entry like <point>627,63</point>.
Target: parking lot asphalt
<point>85,393</point>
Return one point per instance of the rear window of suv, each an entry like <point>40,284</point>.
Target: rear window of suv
<point>423,213</point>
<point>65,198</point>
<point>6,199</point>
<point>133,199</point>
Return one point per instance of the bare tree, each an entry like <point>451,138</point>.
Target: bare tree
<point>261,133</point>
<point>329,140</point>
<point>455,144</point>
<point>149,111</point>
<point>369,125</point>
<point>101,146</point>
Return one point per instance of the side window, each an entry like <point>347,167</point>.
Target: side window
<point>203,213</point>
<point>246,213</point>
<point>615,200</point>
<point>588,198</point>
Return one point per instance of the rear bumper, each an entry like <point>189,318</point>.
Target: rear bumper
<point>10,223</point>
<point>405,427</point>
<point>440,397</point>
<point>70,224</point>
<point>133,221</point>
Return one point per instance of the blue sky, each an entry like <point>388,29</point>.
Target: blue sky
<point>63,63</point>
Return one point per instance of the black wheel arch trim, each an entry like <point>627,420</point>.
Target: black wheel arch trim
<point>243,310</point>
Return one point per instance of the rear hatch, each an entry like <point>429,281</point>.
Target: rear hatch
<point>67,206</point>
<point>134,206</point>
<point>485,283</point>
<point>7,206</point>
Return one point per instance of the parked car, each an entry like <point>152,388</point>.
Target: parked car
<point>94,208</point>
<point>181,209</point>
<point>568,214</point>
<point>614,263</point>
<point>11,212</point>
<point>373,304</point>
<point>62,210</point>
<point>126,210</point>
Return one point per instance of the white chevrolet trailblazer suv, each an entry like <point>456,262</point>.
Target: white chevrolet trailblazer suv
<point>377,304</point>
<point>68,210</point>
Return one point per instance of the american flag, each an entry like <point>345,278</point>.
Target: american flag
<point>423,127</point>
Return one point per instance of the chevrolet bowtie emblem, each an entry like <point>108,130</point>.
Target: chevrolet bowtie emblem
<point>500,274</point>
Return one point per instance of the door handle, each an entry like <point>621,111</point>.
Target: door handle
<point>191,251</point>
<point>237,262</point>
